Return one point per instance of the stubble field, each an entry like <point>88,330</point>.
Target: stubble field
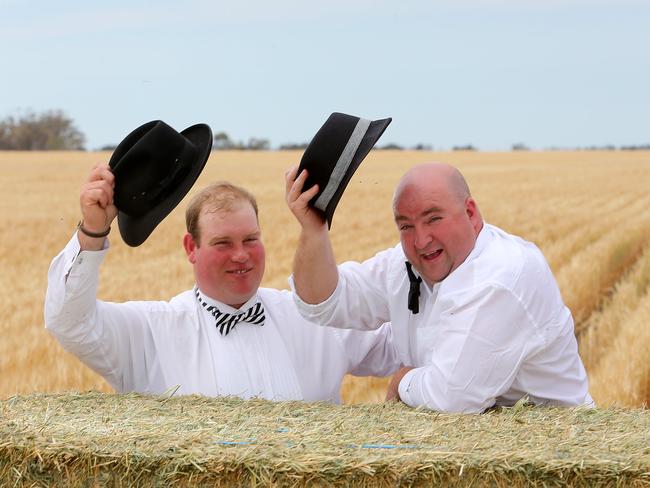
<point>587,211</point>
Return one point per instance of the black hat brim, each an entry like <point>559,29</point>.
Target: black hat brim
<point>135,230</point>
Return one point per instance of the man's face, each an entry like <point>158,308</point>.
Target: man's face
<point>229,259</point>
<point>437,229</point>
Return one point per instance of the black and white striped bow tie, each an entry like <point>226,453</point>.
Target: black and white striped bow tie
<point>225,322</point>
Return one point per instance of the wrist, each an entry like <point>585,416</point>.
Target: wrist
<point>89,233</point>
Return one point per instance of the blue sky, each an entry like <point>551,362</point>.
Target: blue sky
<point>491,73</point>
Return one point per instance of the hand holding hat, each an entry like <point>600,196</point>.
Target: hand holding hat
<point>334,154</point>
<point>97,208</point>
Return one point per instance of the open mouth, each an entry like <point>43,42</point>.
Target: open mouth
<point>430,256</point>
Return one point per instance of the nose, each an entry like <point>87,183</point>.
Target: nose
<point>240,254</point>
<point>422,238</point>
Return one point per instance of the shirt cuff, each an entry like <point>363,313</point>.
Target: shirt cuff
<point>315,311</point>
<point>404,388</point>
<point>414,393</point>
<point>78,260</point>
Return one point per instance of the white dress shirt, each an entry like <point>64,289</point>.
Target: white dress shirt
<point>494,330</point>
<point>151,346</point>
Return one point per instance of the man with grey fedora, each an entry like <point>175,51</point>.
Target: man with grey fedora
<point>477,317</point>
<point>227,335</point>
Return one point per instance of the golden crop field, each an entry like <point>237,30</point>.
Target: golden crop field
<point>587,211</point>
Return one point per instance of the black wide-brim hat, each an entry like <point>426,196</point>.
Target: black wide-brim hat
<point>155,166</point>
<point>334,154</point>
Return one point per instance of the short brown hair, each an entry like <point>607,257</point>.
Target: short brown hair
<point>218,196</point>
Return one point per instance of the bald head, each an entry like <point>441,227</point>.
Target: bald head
<point>437,177</point>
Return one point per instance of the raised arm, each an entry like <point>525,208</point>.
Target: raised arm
<point>315,274</point>
<point>110,338</point>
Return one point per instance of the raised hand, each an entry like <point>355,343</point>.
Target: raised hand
<point>298,200</point>
<point>97,208</point>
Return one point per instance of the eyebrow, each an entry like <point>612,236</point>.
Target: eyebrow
<point>257,233</point>
<point>220,238</point>
<point>434,209</point>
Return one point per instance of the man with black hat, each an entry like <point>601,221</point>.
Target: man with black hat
<point>227,336</point>
<point>476,314</point>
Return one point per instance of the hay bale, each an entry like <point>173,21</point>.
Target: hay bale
<point>135,440</point>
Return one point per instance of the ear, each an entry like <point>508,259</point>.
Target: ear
<point>472,212</point>
<point>190,246</point>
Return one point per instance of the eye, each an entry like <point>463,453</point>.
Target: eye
<point>253,240</point>
<point>405,227</point>
<point>433,219</point>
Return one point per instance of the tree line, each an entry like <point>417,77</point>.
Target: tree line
<point>54,130</point>
<point>50,130</point>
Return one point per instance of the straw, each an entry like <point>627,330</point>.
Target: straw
<point>83,439</point>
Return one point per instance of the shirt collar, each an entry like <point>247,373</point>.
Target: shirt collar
<point>222,307</point>
<point>481,241</point>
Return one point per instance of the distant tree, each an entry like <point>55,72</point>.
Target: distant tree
<point>255,144</point>
<point>520,146</point>
<point>222,141</point>
<point>607,147</point>
<point>640,147</point>
<point>5,135</point>
<point>108,147</point>
<point>391,146</point>
<point>293,146</point>
<point>422,147</point>
<point>467,147</point>
<point>50,130</point>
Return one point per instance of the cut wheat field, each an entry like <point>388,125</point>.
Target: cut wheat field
<point>587,211</point>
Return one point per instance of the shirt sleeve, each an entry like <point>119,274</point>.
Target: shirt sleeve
<point>482,338</point>
<point>110,338</point>
<point>360,299</point>
<point>370,353</point>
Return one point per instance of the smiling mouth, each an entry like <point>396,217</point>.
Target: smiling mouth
<point>430,256</point>
<point>239,271</point>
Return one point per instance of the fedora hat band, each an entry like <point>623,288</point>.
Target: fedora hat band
<point>182,166</point>
<point>342,164</point>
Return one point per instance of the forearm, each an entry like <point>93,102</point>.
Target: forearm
<point>315,274</point>
<point>427,387</point>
